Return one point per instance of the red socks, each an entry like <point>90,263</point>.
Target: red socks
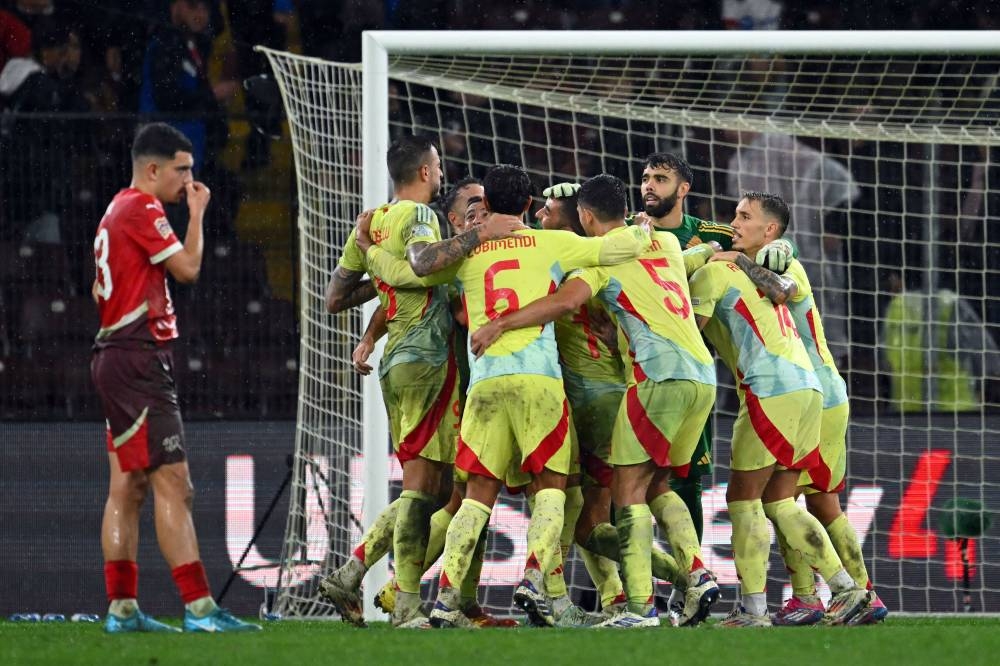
<point>191,581</point>
<point>121,579</point>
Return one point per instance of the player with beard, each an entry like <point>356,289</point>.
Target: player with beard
<point>666,182</point>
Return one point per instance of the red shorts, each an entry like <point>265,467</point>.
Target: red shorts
<point>139,397</point>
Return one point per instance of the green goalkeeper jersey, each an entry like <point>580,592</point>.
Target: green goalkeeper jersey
<point>695,231</point>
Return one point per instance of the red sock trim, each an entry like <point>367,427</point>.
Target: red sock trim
<point>696,564</point>
<point>533,562</point>
<point>191,581</point>
<point>121,579</point>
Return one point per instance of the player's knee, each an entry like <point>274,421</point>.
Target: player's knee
<point>130,488</point>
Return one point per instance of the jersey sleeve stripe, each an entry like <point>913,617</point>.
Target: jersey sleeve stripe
<point>718,229</point>
<point>163,255</point>
<point>424,213</point>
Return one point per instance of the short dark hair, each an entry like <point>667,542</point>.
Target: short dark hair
<point>673,162</point>
<point>448,200</point>
<point>772,205</point>
<point>159,140</point>
<point>405,156</point>
<point>568,207</point>
<point>49,33</point>
<point>604,195</point>
<point>507,188</point>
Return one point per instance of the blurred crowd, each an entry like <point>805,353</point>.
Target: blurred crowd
<point>76,75</point>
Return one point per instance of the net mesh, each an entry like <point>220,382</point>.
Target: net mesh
<point>323,107</point>
<point>890,167</point>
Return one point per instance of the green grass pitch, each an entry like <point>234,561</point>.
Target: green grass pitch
<point>908,641</point>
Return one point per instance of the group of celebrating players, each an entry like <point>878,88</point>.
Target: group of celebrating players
<point>585,382</point>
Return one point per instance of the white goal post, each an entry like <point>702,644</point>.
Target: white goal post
<point>856,118</point>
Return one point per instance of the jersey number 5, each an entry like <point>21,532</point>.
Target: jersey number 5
<point>676,301</point>
<point>101,251</point>
<point>494,294</point>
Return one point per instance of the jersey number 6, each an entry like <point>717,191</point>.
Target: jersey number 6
<point>502,293</point>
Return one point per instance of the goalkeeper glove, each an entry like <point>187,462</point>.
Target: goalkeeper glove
<point>561,190</point>
<point>776,256</point>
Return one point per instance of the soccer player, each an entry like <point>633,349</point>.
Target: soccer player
<point>823,483</point>
<point>418,373</point>
<point>516,419</point>
<point>594,381</point>
<point>777,428</point>
<point>670,392</point>
<point>666,181</point>
<point>475,212</point>
<point>456,202</point>
<point>132,370</point>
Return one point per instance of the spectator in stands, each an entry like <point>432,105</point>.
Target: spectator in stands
<point>39,145</point>
<point>15,38</point>
<point>752,14</point>
<point>257,22</point>
<point>819,190</point>
<point>175,81</point>
<point>30,12</point>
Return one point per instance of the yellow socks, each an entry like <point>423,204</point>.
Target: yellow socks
<point>409,540</point>
<point>635,539</point>
<point>751,544</point>
<point>673,518</point>
<point>460,544</point>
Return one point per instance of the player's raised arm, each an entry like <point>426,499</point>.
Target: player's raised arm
<point>601,205</point>
<point>707,288</point>
<point>699,255</point>
<point>390,269</point>
<point>185,266</point>
<point>347,288</point>
<point>426,258</point>
<point>567,299</point>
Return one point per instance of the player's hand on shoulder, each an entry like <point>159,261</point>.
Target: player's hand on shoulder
<point>604,328</point>
<point>775,256</point>
<point>359,358</point>
<point>198,196</point>
<point>725,256</point>
<point>640,219</point>
<point>480,341</point>
<point>362,227</point>
<point>499,226</point>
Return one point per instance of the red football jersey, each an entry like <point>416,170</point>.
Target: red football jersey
<point>133,240</point>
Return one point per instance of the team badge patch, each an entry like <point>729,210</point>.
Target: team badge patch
<point>163,226</point>
<point>422,231</point>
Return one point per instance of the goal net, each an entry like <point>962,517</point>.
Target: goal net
<point>889,162</point>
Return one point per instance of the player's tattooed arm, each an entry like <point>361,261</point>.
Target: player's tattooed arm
<point>427,258</point>
<point>777,288</point>
<point>347,290</point>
